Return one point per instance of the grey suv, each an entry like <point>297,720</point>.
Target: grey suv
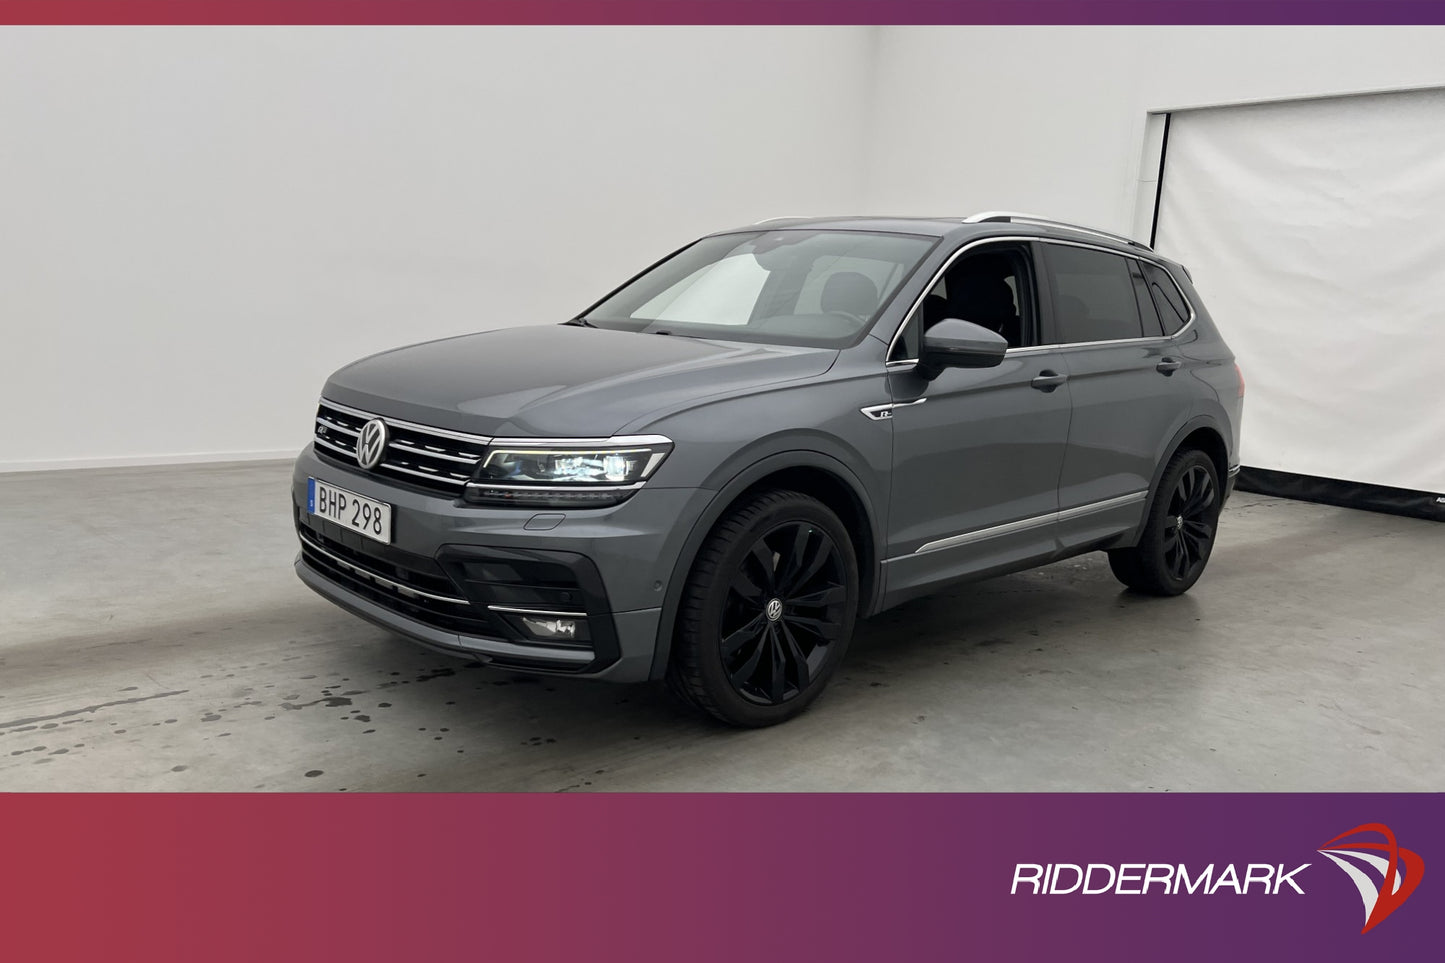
<point>711,473</point>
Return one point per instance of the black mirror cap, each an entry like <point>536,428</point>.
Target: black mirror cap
<point>952,343</point>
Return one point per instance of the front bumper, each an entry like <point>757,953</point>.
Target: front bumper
<point>459,578</point>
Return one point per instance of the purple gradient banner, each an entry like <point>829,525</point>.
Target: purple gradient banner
<point>723,11</point>
<point>719,878</point>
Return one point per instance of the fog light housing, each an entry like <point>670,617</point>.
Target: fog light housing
<point>557,629</point>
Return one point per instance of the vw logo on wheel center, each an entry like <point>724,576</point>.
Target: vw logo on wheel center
<point>775,610</point>
<point>371,443</point>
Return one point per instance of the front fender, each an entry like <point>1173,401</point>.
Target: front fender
<point>728,492</point>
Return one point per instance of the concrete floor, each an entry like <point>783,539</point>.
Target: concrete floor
<point>154,637</point>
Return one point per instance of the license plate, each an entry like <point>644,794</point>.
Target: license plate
<point>349,510</point>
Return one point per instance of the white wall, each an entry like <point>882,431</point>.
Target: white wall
<point>198,225</point>
<point>1050,120</point>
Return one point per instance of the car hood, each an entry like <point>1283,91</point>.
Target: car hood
<point>560,380</point>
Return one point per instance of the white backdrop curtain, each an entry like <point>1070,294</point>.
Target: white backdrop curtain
<point>1315,231</point>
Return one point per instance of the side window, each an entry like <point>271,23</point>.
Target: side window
<point>1093,296</point>
<point>1152,326</point>
<point>1173,310</point>
<point>992,287</point>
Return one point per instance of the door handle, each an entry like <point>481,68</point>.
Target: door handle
<point>1168,366</point>
<point>1048,380</point>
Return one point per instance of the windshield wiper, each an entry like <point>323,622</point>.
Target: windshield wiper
<point>580,323</point>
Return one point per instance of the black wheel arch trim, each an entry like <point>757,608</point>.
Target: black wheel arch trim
<point>723,500</point>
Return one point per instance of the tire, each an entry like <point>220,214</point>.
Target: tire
<point>1179,533</point>
<point>767,612</point>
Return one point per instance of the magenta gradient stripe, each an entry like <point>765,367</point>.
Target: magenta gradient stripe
<point>722,11</point>
<point>686,879</point>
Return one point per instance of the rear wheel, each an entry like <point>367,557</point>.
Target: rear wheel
<point>767,612</point>
<point>1178,535</point>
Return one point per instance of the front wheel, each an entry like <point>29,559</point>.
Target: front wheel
<point>1178,535</point>
<point>767,612</point>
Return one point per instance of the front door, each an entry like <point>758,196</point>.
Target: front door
<point>977,452</point>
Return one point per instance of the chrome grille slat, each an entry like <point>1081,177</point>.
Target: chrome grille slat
<point>337,426</point>
<point>434,453</point>
<point>335,447</point>
<point>433,458</point>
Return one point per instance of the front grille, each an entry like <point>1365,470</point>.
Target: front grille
<point>430,458</point>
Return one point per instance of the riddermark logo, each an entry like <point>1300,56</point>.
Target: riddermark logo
<point>1400,871</point>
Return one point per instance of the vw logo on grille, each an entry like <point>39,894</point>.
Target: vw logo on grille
<point>775,610</point>
<point>371,443</point>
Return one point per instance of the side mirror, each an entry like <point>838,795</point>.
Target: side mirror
<point>952,343</point>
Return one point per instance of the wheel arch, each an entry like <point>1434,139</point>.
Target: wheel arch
<point>810,472</point>
<point>1201,432</point>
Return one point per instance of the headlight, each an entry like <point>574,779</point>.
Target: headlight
<point>537,474</point>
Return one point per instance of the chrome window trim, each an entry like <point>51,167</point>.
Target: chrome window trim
<point>1023,524</point>
<point>410,425</point>
<point>1036,348</point>
<point>510,610</point>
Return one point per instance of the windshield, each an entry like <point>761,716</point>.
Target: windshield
<point>799,287</point>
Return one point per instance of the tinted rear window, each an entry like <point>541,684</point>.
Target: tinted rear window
<point>1093,296</point>
<point>1173,310</point>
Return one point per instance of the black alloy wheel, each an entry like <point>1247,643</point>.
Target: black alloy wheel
<point>1189,526</point>
<point>767,612</point>
<point>784,609</point>
<point>1178,534</point>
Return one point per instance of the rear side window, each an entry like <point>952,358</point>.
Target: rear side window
<point>1173,311</point>
<point>1094,296</point>
<point>1153,327</point>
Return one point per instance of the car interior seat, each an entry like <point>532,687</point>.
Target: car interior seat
<point>978,291</point>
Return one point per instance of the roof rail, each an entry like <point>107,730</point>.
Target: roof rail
<point>1014,217</point>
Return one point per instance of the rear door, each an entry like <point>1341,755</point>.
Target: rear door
<point>1124,384</point>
